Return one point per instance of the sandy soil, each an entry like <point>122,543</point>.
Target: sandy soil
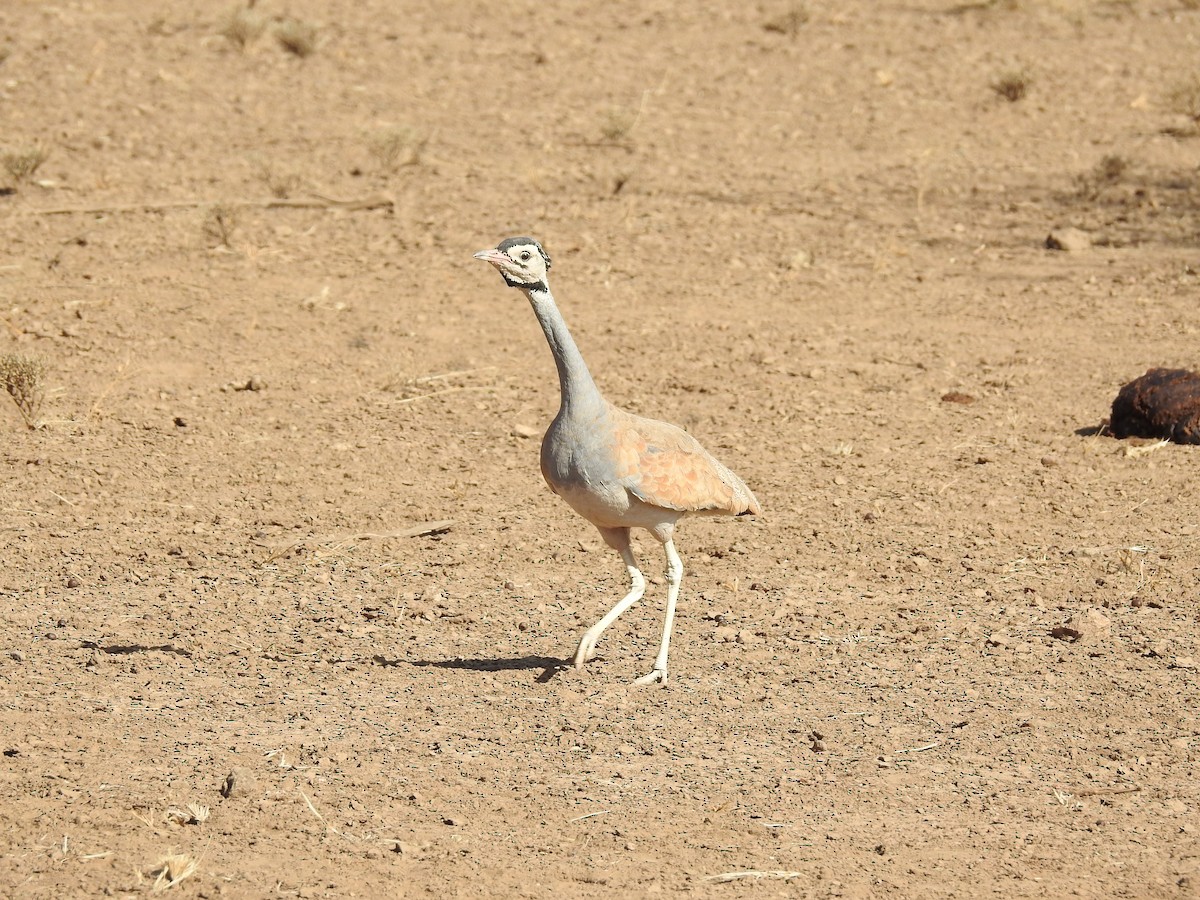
<point>956,657</point>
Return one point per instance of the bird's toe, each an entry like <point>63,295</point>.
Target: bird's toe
<point>584,653</point>
<point>658,676</point>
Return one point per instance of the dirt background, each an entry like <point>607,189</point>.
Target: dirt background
<point>956,657</point>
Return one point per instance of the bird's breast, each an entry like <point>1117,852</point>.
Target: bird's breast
<point>579,464</point>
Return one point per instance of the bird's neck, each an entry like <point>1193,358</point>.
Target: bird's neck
<point>577,390</point>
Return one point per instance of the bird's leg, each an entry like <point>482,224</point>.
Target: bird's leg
<point>674,579</point>
<point>618,538</point>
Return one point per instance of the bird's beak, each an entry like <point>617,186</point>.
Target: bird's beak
<point>493,256</point>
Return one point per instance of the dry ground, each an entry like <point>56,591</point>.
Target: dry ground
<point>794,229</point>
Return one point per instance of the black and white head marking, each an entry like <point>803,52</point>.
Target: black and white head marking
<point>521,262</point>
<point>509,243</point>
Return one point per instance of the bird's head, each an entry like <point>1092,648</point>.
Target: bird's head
<point>521,261</point>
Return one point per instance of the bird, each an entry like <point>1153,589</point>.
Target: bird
<point>616,469</point>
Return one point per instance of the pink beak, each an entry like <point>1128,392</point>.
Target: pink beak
<point>495,257</point>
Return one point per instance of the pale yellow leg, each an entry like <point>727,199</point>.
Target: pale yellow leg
<point>674,579</point>
<point>587,644</point>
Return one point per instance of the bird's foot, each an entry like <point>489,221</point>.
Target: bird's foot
<point>586,650</point>
<point>655,676</point>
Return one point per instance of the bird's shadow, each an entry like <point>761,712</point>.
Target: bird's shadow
<point>550,665</point>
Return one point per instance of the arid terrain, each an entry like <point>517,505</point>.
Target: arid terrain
<point>286,606</point>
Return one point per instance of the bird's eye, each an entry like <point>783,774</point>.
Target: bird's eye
<point>525,254</point>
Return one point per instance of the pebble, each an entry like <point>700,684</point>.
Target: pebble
<point>1072,240</point>
<point>240,782</point>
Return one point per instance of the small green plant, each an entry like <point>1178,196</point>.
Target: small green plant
<point>242,26</point>
<point>397,147</point>
<point>297,37</point>
<point>789,22</point>
<point>1184,98</point>
<point>220,221</point>
<point>21,164</point>
<point>24,377</point>
<point>1013,85</point>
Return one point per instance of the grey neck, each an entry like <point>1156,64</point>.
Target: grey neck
<point>577,390</point>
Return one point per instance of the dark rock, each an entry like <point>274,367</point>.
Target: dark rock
<point>1163,403</point>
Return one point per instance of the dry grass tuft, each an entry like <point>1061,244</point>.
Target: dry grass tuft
<point>192,814</point>
<point>1184,98</point>
<point>24,377</point>
<point>281,184</point>
<point>398,146</point>
<point>172,869</point>
<point>296,37</point>
<point>789,22</point>
<point>1012,86</point>
<point>21,164</point>
<point>616,125</point>
<point>242,26</point>
<point>220,222</point>
<point>1112,169</point>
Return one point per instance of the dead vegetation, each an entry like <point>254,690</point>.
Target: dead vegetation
<point>22,163</point>
<point>242,26</point>
<point>296,37</point>
<point>1012,85</point>
<point>397,146</point>
<point>24,377</point>
<point>789,22</point>
<point>171,869</point>
<point>1184,99</point>
<point>1112,169</point>
<point>616,125</point>
<point>279,182</point>
<point>220,222</point>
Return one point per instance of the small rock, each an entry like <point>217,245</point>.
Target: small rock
<point>958,397</point>
<point>747,637</point>
<point>1071,240</point>
<point>73,582</point>
<point>525,431</point>
<point>454,821</point>
<point>819,746</point>
<point>1089,625</point>
<point>240,782</point>
<point>16,655</point>
<point>801,259</point>
<point>1184,662</point>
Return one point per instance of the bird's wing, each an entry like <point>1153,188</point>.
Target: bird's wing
<point>664,466</point>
